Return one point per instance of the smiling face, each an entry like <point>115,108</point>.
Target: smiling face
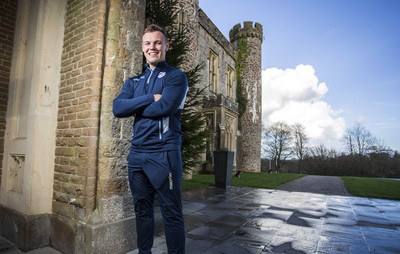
<point>154,46</point>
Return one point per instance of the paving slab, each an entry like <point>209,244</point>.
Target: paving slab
<point>258,221</point>
<point>248,220</point>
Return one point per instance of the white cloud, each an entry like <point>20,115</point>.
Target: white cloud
<point>295,96</point>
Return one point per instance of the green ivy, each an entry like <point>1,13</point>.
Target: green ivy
<point>241,55</point>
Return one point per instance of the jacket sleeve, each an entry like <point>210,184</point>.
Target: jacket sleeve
<point>125,105</point>
<point>172,97</point>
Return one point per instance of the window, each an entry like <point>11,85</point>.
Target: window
<point>213,71</point>
<point>230,77</point>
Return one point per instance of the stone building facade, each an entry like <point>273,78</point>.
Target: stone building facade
<point>63,172</point>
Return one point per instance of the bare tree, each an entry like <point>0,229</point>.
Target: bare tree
<point>380,147</point>
<point>321,152</point>
<point>321,160</point>
<point>278,140</point>
<point>300,141</point>
<point>359,140</point>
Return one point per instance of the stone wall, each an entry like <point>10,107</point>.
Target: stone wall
<point>222,110</point>
<point>189,9</point>
<point>8,16</point>
<point>79,107</point>
<point>92,201</point>
<point>210,38</point>
<point>29,139</point>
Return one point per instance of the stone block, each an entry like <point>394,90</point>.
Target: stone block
<point>27,232</point>
<point>73,237</point>
<point>62,234</point>
<point>117,237</point>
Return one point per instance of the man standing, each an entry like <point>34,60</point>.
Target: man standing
<point>156,99</point>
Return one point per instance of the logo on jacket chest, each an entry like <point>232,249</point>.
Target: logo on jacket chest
<point>161,74</point>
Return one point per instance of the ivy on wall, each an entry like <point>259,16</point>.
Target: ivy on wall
<point>240,57</point>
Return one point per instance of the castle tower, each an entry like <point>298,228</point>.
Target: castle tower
<point>247,42</point>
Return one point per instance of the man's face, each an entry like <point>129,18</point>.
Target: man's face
<point>154,47</point>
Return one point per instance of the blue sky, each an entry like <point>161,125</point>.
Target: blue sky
<point>340,57</point>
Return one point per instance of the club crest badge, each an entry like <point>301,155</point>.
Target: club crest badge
<point>161,74</point>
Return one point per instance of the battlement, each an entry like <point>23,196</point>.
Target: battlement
<point>248,30</point>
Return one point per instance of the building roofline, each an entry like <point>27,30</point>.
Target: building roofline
<point>215,33</point>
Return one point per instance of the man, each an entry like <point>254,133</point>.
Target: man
<point>155,98</point>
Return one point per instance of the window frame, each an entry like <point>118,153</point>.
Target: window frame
<point>213,67</point>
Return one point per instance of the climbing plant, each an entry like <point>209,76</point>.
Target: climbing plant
<point>241,55</point>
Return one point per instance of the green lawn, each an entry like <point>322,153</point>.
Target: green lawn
<point>373,187</point>
<point>357,186</point>
<point>263,180</point>
<point>246,179</point>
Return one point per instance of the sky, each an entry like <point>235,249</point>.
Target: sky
<point>326,64</point>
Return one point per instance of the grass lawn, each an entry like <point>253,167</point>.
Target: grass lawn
<point>373,187</point>
<point>263,180</point>
<point>357,186</point>
<point>246,179</point>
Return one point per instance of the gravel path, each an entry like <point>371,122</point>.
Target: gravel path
<point>328,185</point>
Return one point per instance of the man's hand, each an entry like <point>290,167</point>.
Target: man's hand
<point>157,97</point>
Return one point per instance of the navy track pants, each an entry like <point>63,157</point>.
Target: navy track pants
<point>158,174</point>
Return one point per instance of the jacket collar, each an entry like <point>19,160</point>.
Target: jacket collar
<point>159,66</point>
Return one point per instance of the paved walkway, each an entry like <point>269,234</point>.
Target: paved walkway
<point>299,217</point>
<point>328,185</point>
<point>285,220</point>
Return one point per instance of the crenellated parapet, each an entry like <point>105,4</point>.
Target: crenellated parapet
<point>247,31</point>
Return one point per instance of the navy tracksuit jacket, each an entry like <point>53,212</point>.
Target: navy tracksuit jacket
<point>157,125</point>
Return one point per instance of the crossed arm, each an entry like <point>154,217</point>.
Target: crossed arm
<point>152,105</point>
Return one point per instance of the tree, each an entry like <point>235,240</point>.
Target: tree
<point>164,13</point>
<point>359,140</point>
<point>278,143</point>
<point>322,161</point>
<point>396,165</point>
<point>193,123</point>
<point>300,141</point>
